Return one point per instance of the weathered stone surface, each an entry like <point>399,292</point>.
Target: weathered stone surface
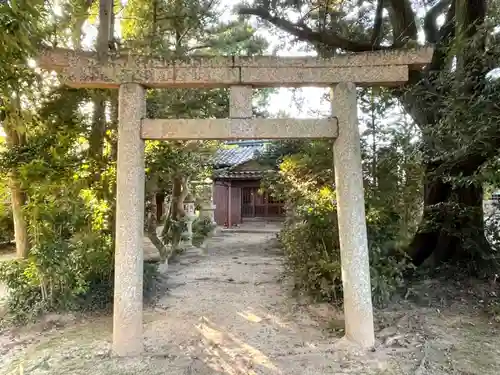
<point>238,128</point>
<point>212,77</point>
<point>385,75</point>
<point>129,255</point>
<point>202,77</point>
<point>378,68</point>
<point>111,76</point>
<point>413,57</point>
<point>60,57</point>
<point>240,102</point>
<point>351,218</point>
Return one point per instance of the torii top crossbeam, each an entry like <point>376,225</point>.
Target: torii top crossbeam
<point>379,68</point>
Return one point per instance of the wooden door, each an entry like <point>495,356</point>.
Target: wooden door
<point>255,204</point>
<point>248,201</point>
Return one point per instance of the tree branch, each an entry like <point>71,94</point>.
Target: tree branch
<point>446,35</point>
<point>484,144</point>
<point>304,33</point>
<point>430,26</point>
<point>403,21</point>
<point>377,26</point>
<point>465,162</point>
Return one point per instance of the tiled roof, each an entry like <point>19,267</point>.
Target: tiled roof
<point>237,155</point>
<point>242,175</point>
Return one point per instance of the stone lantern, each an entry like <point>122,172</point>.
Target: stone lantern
<point>189,210</point>
<point>207,208</point>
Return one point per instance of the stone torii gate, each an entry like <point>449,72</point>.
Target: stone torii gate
<point>132,75</point>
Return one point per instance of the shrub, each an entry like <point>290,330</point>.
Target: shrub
<point>6,219</point>
<point>71,260</point>
<point>59,275</point>
<point>6,225</point>
<point>202,227</point>
<point>312,255</point>
<point>309,238</point>
<point>311,252</point>
<point>82,279</point>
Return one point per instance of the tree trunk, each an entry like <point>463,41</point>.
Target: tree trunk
<point>99,123</point>
<point>174,215</point>
<point>171,233</point>
<point>452,227</point>
<point>18,200</point>
<point>98,132</point>
<point>151,226</point>
<point>15,138</point>
<point>456,213</point>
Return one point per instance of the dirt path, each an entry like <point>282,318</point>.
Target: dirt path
<point>227,312</point>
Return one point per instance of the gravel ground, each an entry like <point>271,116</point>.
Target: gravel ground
<point>227,311</point>
<point>235,314</point>
<point>223,311</point>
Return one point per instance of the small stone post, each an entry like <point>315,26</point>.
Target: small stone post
<point>129,253</point>
<point>351,218</point>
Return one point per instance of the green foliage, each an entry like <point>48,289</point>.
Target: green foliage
<point>469,118</point>
<point>22,25</point>
<point>70,265</point>
<point>83,280</point>
<point>6,224</point>
<point>173,230</point>
<point>196,28</point>
<point>392,168</point>
<point>71,258</point>
<point>461,151</point>
<point>164,160</point>
<point>58,275</point>
<point>6,219</point>
<point>202,227</point>
<point>392,177</point>
<point>312,253</point>
<point>62,143</point>
<point>311,249</point>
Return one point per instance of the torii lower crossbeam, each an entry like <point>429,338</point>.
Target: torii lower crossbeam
<point>225,129</point>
